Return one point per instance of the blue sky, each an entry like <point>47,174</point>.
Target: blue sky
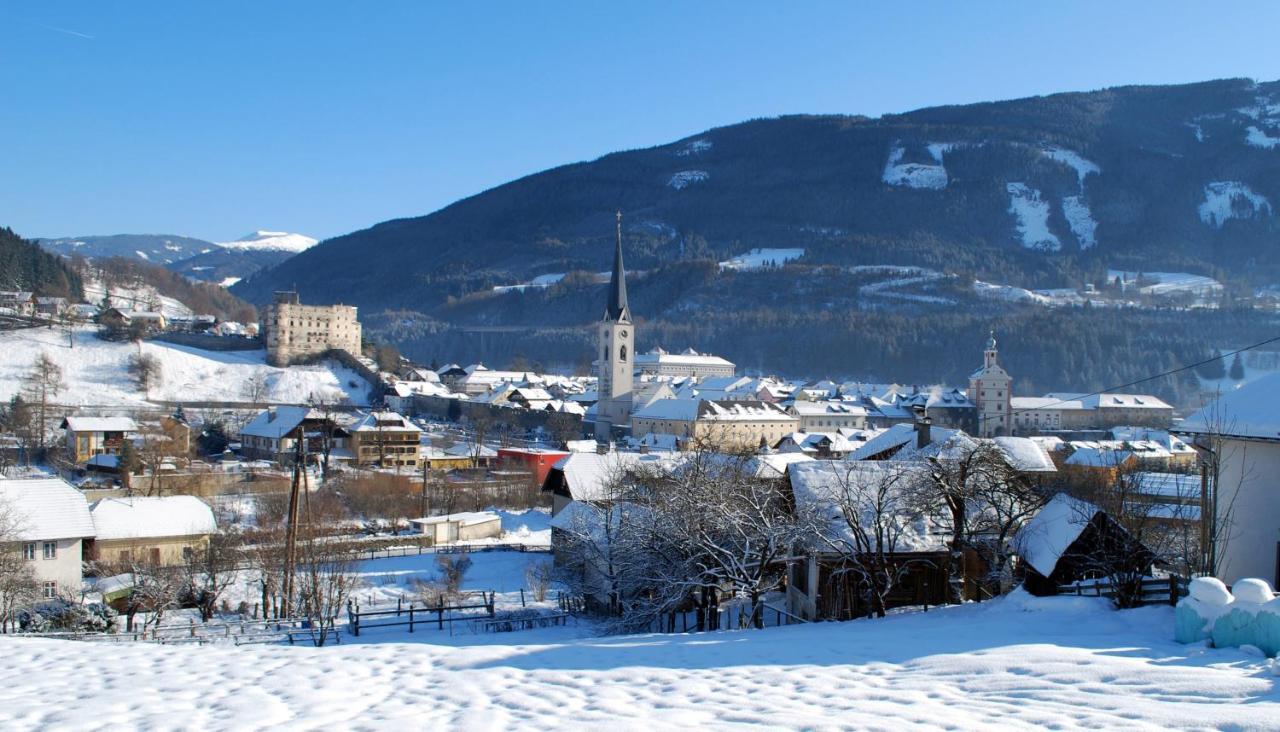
<point>212,120</point>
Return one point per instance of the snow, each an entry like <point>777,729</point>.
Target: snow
<point>274,241</point>
<point>686,178</point>
<point>1259,138</point>
<point>1008,293</point>
<point>151,517</point>
<point>96,372</point>
<point>1168,283</point>
<point>138,298</point>
<point>916,175</point>
<point>541,281</point>
<point>1230,199</point>
<point>1209,590</point>
<point>1014,663</point>
<point>1252,590</point>
<point>694,147</point>
<point>761,258</point>
<point>1075,161</point>
<point>1042,541</point>
<point>229,281</point>
<point>45,508</point>
<point>1081,221</point>
<point>1253,410</point>
<point>1031,211</point>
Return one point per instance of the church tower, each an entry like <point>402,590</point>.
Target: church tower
<point>616,346</point>
<point>990,390</point>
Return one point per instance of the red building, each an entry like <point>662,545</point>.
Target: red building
<point>538,462</point>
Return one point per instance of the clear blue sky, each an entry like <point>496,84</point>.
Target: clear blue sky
<point>214,119</point>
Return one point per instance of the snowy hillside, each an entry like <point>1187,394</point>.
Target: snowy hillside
<point>142,297</point>
<point>96,372</point>
<point>1013,663</point>
<point>162,249</point>
<point>278,241</point>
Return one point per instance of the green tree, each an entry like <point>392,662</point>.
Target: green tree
<point>1237,369</point>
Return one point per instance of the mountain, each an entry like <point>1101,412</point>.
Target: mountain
<point>25,266</point>
<point>224,262</point>
<point>1043,192</point>
<point>163,249</point>
<point>270,241</point>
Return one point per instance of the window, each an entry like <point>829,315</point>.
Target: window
<point>29,551</point>
<point>51,550</point>
<point>622,353</point>
<point>50,590</point>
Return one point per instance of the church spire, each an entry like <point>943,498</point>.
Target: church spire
<point>617,309</point>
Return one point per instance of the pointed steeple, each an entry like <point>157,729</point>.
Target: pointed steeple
<point>617,309</point>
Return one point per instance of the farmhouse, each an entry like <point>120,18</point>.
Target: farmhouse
<point>52,523</point>
<point>89,436</point>
<point>163,531</point>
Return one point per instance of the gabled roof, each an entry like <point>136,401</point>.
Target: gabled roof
<point>99,424</point>
<point>587,476</point>
<point>1252,411</point>
<point>275,423</point>
<point>46,509</point>
<point>829,485</point>
<point>375,421</point>
<point>1045,538</point>
<point>152,517</point>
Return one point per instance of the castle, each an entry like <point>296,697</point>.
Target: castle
<point>293,331</point>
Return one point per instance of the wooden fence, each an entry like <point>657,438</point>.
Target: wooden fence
<point>1151,591</point>
<point>415,615</point>
<point>239,632</point>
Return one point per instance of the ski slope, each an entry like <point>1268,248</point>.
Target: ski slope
<point>96,372</point>
<point>1014,663</point>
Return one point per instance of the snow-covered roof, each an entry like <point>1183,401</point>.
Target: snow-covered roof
<point>275,422</point>
<point>1025,455</point>
<point>375,421</point>
<point>99,424</point>
<point>1098,457</point>
<point>1252,411</point>
<point>689,357</point>
<point>741,411</point>
<point>588,475</point>
<point>152,517</point>
<point>679,410</point>
<point>1112,400</point>
<point>829,486</point>
<point>805,408</point>
<point>1044,539</point>
<point>775,465</point>
<point>466,518</point>
<point>46,508</point>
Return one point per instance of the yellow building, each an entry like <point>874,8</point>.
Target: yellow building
<point>89,436</point>
<point>163,531</point>
<point>386,440</point>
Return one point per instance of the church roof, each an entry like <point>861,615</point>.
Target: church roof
<point>617,308</point>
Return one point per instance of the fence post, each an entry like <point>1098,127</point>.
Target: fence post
<point>440,613</point>
<point>399,604</point>
<point>1173,589</point>
<point>492,595</point>
<point>410,617</point>
<point>522,597</point>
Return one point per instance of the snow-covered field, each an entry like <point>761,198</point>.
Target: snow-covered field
<point>916,175</point>
<point>96,372</point>
<point>1031,214</point>
<point>1016,663</point>
<point>1169,283</point>
<point>1231,199</point>
<point>686,178</point>
<point>760,258</point>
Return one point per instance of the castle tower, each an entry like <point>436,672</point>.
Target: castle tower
<point>990,391</point>
<point>616,345</point>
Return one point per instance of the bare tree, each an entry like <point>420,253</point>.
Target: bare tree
<point>871,513</point>
<point>212,571</point>
<point>539,575</point>
<point>256,387</point>
<point>564,427</point>
<point>326,577</point>
<point>147,371</point>
<point>41,384</point>
<point>18,586</point>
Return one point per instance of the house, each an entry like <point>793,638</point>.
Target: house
<point>20,303</point>
<point>1071,540</point>
<point>730,425</point>
<point>914,543</point>
<point>437,459</point>
<point>274,432</point>
<point>591,477</point>
<point>120,319</point>
<point>538,462</point>
<point>386,439</point>
<point>52,523</point>
<point>457,527</point>
<point>89,436</point>
<point>51,307</point>
<point>827,415</point>
<point>1239,435</point>
<point>162,531</point>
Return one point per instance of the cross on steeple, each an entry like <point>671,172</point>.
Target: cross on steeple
<point>617,309</point>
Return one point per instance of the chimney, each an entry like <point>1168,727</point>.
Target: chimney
<point>924,426</point>
<point>644,448</point>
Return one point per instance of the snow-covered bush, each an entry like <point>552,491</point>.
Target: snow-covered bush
<point>1248,618</point>
<point>65,615</point>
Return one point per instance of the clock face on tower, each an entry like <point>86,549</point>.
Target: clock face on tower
<point>623,334</point>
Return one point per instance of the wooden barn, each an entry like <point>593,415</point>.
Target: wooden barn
<point>1071,540</point>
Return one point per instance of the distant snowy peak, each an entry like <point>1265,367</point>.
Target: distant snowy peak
<point>274,241</point>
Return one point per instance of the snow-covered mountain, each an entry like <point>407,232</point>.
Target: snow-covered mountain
<point>163,249</point>
<point>273,241</point>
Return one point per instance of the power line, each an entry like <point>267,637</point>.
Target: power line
<point>1161,375</point>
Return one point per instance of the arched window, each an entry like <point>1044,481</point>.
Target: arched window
<point>622,353</point>
<point>604,354</point>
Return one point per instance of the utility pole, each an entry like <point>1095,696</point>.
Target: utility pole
<point>291,523</point>
<point>422,503</point>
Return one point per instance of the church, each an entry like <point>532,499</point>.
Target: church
<point>991,392</point>
<point>616,345</point>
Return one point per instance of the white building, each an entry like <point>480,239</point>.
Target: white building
<point>991,391</point>
<point>51,522</point>
<point>1242,432</point>
<point>616,343</point>
<point>828,415</point>
<point>687,363</point>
